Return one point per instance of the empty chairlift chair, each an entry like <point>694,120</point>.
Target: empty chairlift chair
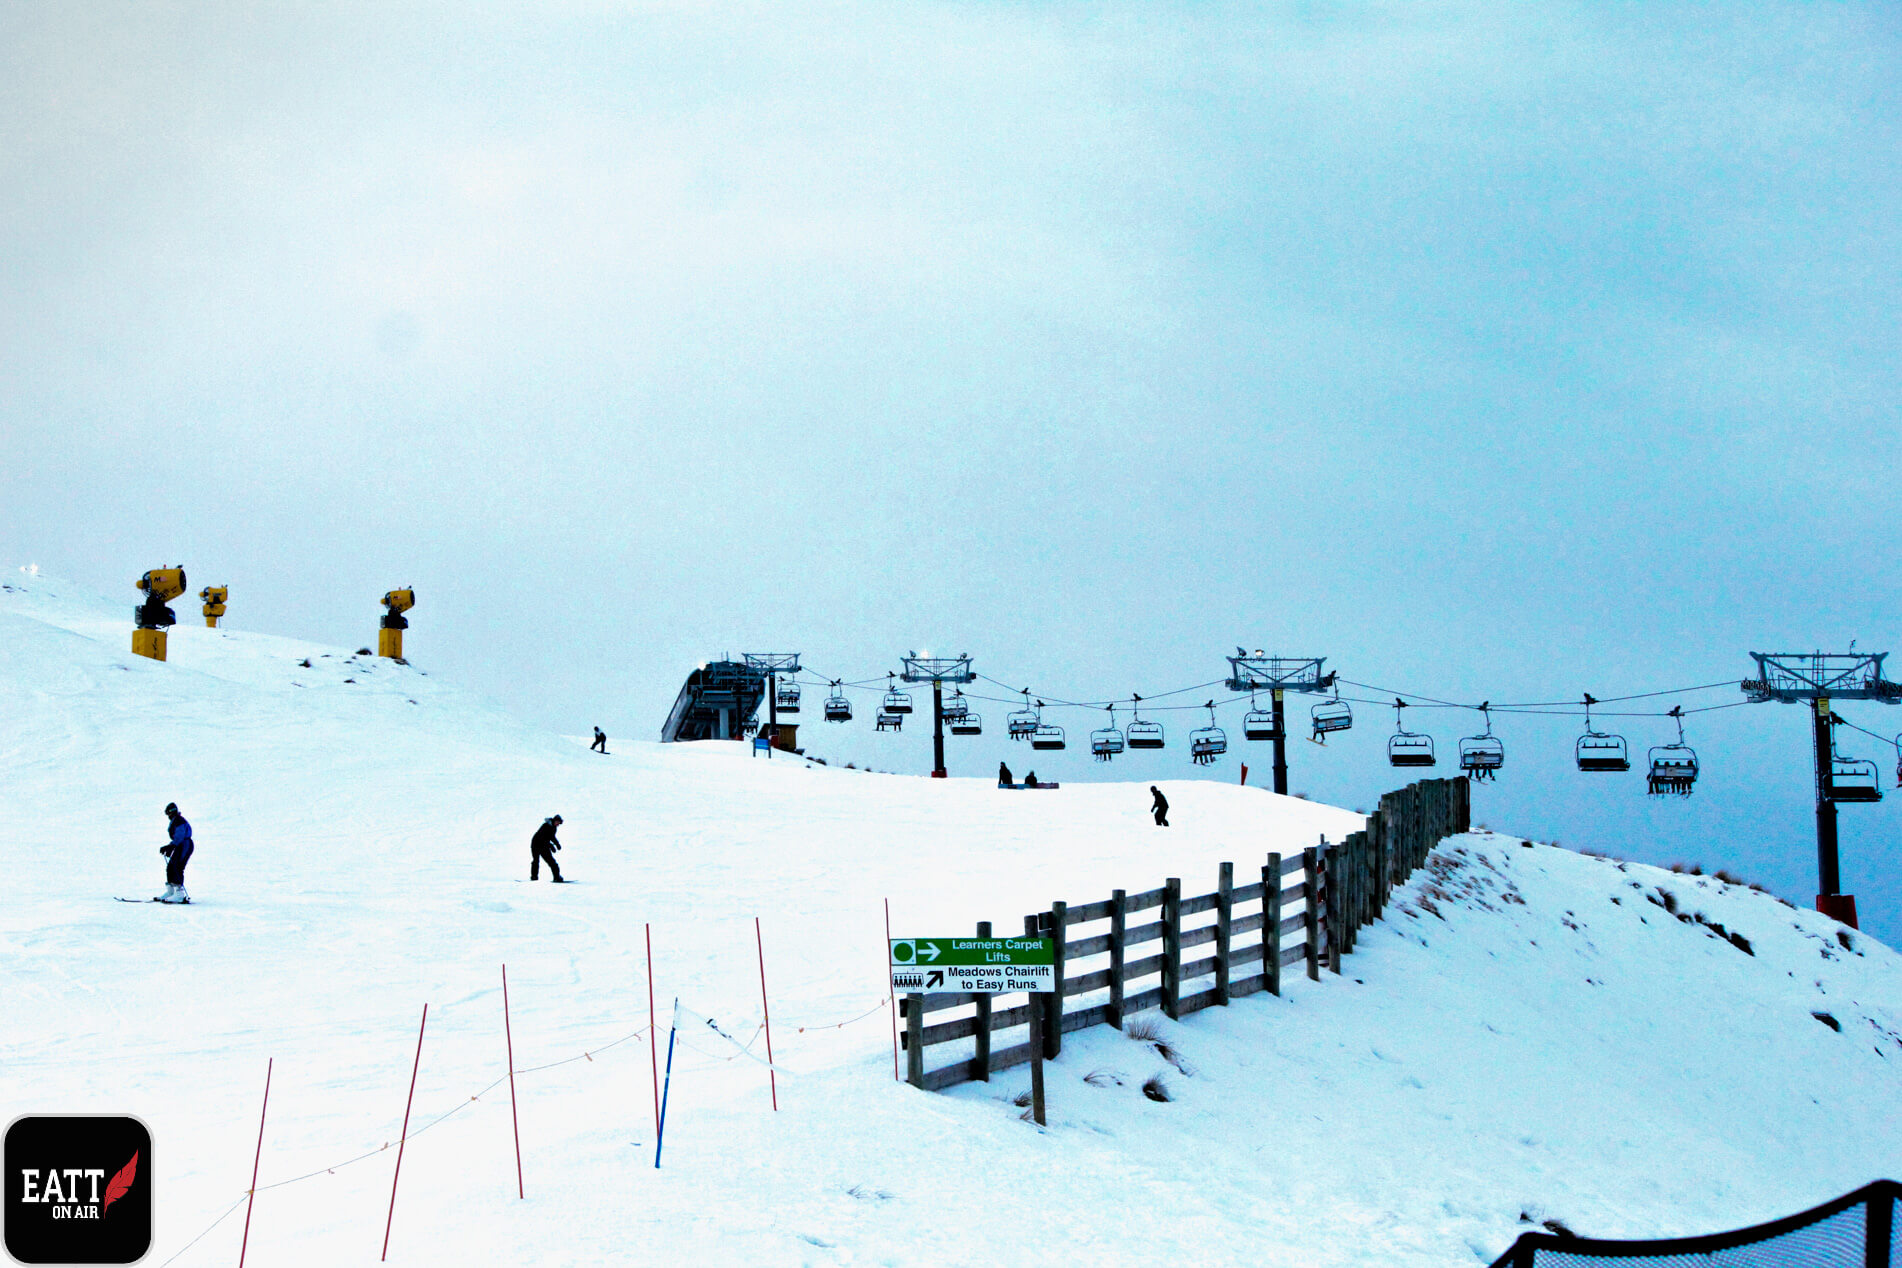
<point>1851,779</point>
<point>1108,742</point>
<point>1140,734</point>
<point>1259,723</point>
<point>1597,751</point>
<point>1408,748</point>
<point>888,721</point>
<point>1209,742</point>
<point>838,708</point>
<point>1481,756</point>
<point>896,701</point>
<point>1673,767</point>
<point>967,723</point>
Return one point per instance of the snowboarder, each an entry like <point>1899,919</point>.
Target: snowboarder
<point>1159,807</point>
<point>1030,779</point>
<point>541,849</point>
<point>1003,776</point>
<point>178,852</point>
<point>600,744</point>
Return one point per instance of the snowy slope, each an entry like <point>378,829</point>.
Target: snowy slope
<point>1529,1032</point>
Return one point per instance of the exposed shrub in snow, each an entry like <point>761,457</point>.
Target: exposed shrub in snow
<point>1104,1078</point>
<point>1155,1089</point>
<point>1143,1029</point>
<point>1829,1021</point>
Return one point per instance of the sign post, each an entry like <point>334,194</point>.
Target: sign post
<point>984,966</point>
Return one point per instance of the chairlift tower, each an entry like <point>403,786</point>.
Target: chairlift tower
<point>1817,678</point>
<point>1277,675</point>
<point>773,664</point>
<point>937,670</point>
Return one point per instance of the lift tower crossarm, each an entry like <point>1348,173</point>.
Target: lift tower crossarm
<point>937,670</point>
<point>1277,675</point>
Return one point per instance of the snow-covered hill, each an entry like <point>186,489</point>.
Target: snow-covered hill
<point>1531,1034</point>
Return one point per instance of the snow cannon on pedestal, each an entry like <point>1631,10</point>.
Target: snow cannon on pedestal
<point>214,597</point>
<point>389,639</point>
<point>159,586</point>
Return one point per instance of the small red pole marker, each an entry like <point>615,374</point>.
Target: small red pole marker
<point>1244,772</point>
<point>252,1195</point>
<point>514,1114</point>
<point>652,1033</point>
<point>404,1138</point>
<point>891,996</point>
<point>772,1078</point>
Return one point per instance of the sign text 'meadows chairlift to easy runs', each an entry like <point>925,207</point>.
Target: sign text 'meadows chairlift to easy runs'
<point>986,966</point>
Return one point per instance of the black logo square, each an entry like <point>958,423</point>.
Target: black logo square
<point>78,1190</point>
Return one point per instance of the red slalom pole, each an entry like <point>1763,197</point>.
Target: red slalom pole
<point>404,1138</point>
<point>891,996</point>
<point>772,1077</point>
<point>514,1114</point>
<point>652,1032</point>
<point>252,1195</point>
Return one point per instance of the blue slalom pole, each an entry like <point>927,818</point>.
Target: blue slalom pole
<point>666,1084</point>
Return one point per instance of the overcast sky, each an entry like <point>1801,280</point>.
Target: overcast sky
<point>1490,351</point>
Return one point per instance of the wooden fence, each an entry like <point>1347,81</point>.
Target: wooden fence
<point>1302,909</point>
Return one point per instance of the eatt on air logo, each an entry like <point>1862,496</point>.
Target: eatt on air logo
<point>78,1190</point>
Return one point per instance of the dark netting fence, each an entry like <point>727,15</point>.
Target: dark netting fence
<point>1856,1230</point>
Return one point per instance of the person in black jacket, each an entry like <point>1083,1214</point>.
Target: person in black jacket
<point>1159,807</point>
<point>1003,776</point>
<point>600,744</point>
<point>541,849</point>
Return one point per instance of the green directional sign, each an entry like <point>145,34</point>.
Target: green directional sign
<point>980,965</point>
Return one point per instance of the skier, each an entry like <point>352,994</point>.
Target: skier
<point>1159,807</point>
<point>1003,776</point>
<point>177,852</point>
<point>600,744</point>
<point>541,849</point>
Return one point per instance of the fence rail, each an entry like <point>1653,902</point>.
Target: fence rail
<point>1303,908</point>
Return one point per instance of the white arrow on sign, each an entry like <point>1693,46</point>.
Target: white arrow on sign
<point>928,951</point>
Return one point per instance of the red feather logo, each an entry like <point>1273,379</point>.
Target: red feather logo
<point>121,1183</point>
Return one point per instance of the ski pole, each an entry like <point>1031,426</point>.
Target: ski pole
<point>667,1084</point>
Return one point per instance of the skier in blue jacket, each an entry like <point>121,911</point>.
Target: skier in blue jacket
<point>177,852</point>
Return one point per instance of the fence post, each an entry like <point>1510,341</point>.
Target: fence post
<point>1224,926</point>
<point>1172,947</point>
<point>981,1062</point>
<point>1053,1007</point>
<point>1118,945</point>
<point>1331,903</point>
<point>1036,1047</point>
<point>1311,917</point>
<point>915,1040</point>
<point>1271,925</point>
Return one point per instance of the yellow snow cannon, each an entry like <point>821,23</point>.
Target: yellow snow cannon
<point>214,597</point>
<point>159,586</point>
<point>389,639</point>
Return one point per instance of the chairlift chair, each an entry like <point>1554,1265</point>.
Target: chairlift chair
<point>1898,761</point>
<point>1108,742</point>
<point>967,724</point>
<point>1259,724</point>
<point>956,707</point>
<point>888,721</point>
<point>1048,735</point>
<point>1481,756</point>
<point>1673,766</point>
<point>1408,748</point>
<point>1023,722</point>
<point>787,697</point>
<point>1597,751</point>
<point>896,701</point>
<point>1208,742</point>
<point>1851,779</point>
<point>1330,716</point>
<point>1140,734</point>
<point>838,708</point>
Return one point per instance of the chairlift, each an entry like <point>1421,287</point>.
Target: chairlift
<point>1673,766</point>
<point>889,721</point>
<point>1108,742</point>
<point>896,701</point>
<point>1259,723</point>
<point>1851,779</point>
<point>956,707</point>
<point>786,699</point>
<point>967,724</point>
<point>1330,716</point>
<point>1408,748</point>
<point>1598,751</point>
<point>1481,756</point>
<point>1898,761</point>
<point>838,708</point>
<point>1209,742</point>
<point>1140,734</point>
<point>1048,735</point>
<point>1023,722</point>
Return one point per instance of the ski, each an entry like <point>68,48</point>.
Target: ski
<point>186,903</point>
